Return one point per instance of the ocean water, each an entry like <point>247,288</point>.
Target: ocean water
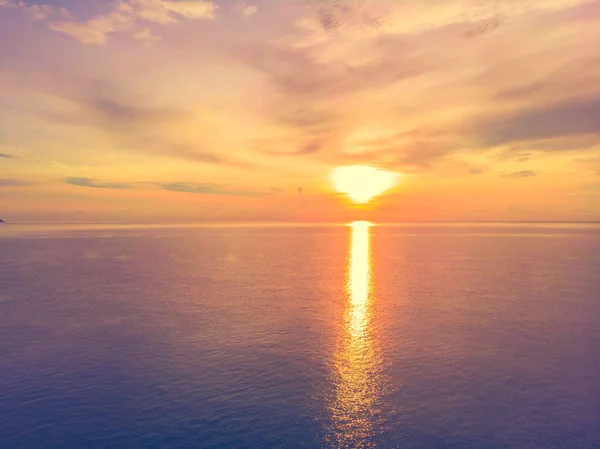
<point>396,336</point>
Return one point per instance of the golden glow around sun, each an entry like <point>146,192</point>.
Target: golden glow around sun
<point>361,182</point>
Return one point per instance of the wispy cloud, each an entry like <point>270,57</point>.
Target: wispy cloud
<point>96,30</point>
<point>210,189</point>
<point>245,9</point>
<point>146,36</point>
<point>13,182</point>
<point>180,186</point>
<point>10,156</point>
<point>47,12</point>
<point>87,182</point>
<point>135,120</point>
<point>520,174</point>
<point>123,16</point>
<point>18,157</point>
<point>38,11</point>
<point>557,120</point>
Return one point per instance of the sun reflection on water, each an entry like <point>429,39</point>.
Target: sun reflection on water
<point>357,376</point>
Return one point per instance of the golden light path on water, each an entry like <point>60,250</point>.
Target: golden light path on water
<point>357,376</point>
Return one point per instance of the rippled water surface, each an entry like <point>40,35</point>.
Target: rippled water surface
<point>403,336</point>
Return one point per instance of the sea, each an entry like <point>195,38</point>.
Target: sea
<point>409,335</point>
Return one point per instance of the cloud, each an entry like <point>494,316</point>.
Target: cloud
<point>126,13</point>
<point>323,92</point>
<point>46,12</point>
<point>525,150</point>
<point>477,171</point>
<point>484,26</point>
<point>246,10</point>
<point>183,187</point>
<point>146,36</point>
<point>107,104</point>
<point>573,118</point>
<point>424,82</point>
<point>96,30</point>
<point>27,159</point>
<point>194,153</point>
<point>520,174</point>
<point>190,9</point>
<point>12,182</point>
<point>171,11</point>
<point>104,105</point>
<point>316,102</point>
<point>38,12</point>
<point>520,92</point>
<point>475,16</point>
<point>133,120</point>
<point>87,182</point>
<point>10,156</point>
<point>209,189</point>
<point>11,3</point>
<point>332,15</point>
<point>427,86</point>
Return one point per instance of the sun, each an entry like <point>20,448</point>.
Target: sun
<point>361,182</point>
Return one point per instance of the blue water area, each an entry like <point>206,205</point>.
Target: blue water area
<point>296,336</point>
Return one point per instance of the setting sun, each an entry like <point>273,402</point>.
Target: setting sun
<point>361,182</point>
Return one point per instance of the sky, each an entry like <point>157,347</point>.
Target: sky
<point>195,111</point>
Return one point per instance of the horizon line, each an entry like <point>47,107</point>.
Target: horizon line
<point>282,222</point>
